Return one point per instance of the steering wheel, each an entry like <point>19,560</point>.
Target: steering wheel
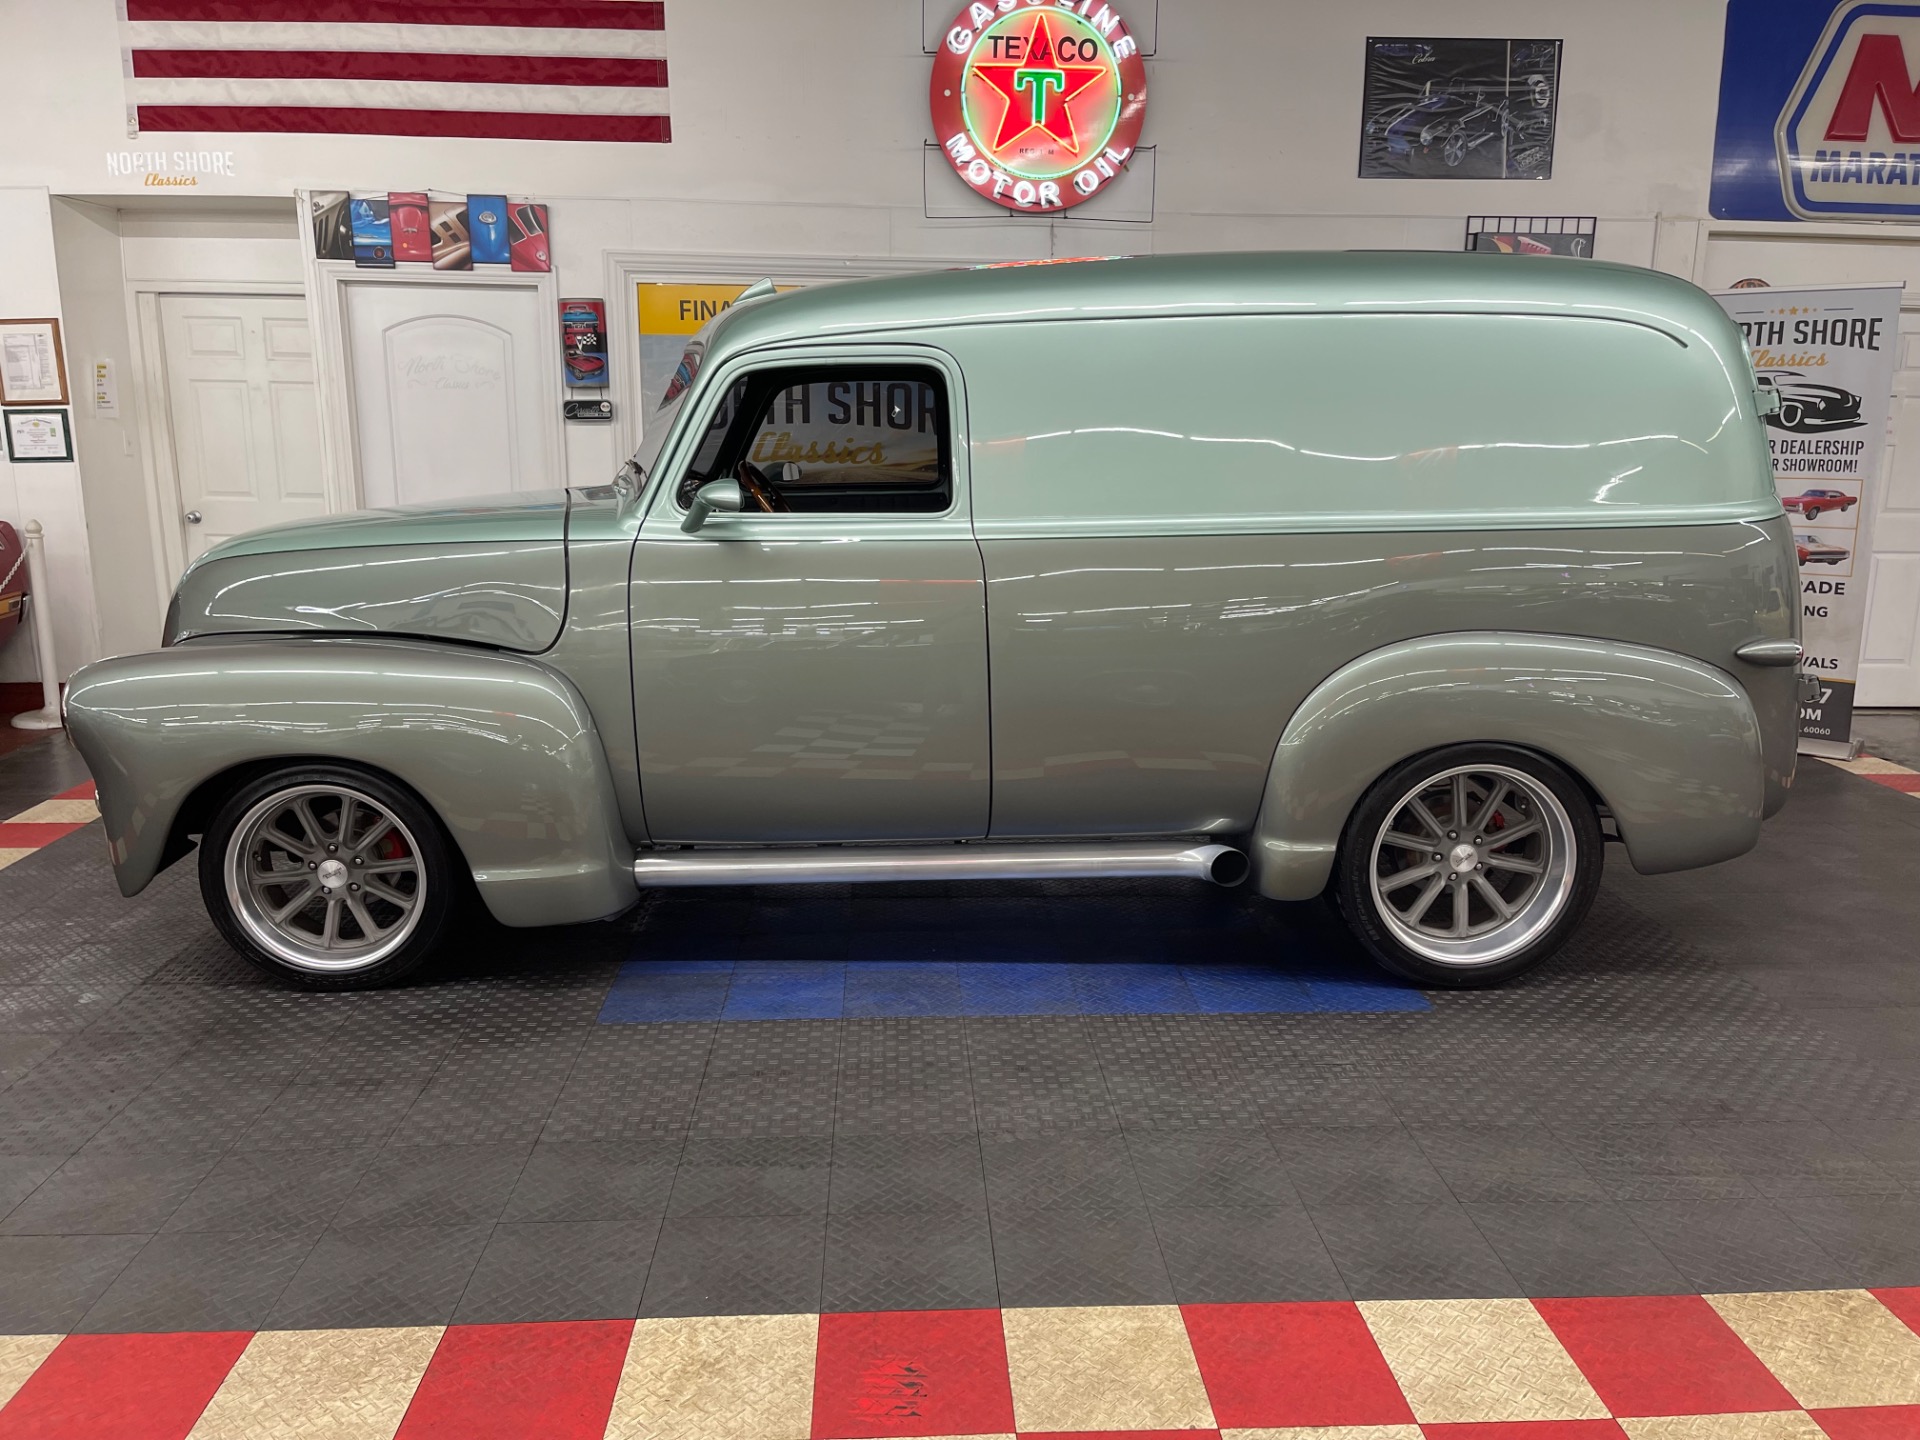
<point>759,489</point>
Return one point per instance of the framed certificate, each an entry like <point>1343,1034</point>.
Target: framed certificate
<point>38,437</point>
<point>33,368</point>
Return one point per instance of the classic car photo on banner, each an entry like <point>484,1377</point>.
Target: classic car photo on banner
<point>1459,109</point>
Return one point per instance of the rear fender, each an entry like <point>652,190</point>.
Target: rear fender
<point>501,747</point>
<point>1669,744</point>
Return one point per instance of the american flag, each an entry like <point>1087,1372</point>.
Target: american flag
<point>486,69</point>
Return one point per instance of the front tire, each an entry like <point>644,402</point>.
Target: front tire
<point>1468,866</point>
<point>330,876</point>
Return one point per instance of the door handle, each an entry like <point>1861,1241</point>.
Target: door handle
<point>193,517</point>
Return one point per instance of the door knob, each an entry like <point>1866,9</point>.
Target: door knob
<point>193,517</point>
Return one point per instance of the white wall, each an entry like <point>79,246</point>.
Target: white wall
<point>30,288</point>
<point>800,131</point>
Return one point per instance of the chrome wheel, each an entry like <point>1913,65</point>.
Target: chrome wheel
<point>1473,864</point>
<point>325,878</point>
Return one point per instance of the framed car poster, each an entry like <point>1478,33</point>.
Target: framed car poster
<point>1459,109</point>
<point>583,340</point>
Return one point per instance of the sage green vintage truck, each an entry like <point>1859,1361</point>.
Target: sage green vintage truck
<point>1407,578</point>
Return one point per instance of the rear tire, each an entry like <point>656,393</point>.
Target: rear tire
<point>330,876</point>
<point>1468,866</point>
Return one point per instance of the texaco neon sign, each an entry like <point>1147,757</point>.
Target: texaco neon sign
<point>1038,103</point>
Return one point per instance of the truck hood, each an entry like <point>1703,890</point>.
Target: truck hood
<point>485,572</point>
<point>528,515</point>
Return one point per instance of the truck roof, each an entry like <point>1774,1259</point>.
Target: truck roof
<point>1226,284</point>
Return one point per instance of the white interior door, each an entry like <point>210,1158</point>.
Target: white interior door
<point>1890,649</point>
<point>452,392</point>
<point>243,413</point>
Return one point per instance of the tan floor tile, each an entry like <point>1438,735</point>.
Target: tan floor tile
<point>1766,1425</point>
<point>1328,1432</point>
<point>1829,1347</point>
<point>58,812</point>
<point>1125,1367</point>
<point>319,1385</point>
<point>20,1356</point>
<point>14,854</point>
<point>1871,765</point>
<point>727,1377</point>
<point>1461,1360</point>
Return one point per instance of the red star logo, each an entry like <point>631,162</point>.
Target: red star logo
<point>1037,90</point>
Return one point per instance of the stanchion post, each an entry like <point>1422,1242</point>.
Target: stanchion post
<point>47,717</point>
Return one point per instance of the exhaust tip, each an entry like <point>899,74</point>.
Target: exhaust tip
<point>1229,867</point>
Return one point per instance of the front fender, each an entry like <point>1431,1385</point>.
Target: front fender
<point>1671,745</point>
<point>502,747</point>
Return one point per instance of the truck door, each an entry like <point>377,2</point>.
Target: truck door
<point>814,667</point>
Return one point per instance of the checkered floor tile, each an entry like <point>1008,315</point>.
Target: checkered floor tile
<point>42,824</point>
<point>1882,772</point>
<point>872,957</point>
<point>1824,1365</point>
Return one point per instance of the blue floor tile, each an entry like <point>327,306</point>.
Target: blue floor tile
<point>1131,990</point>
<point>909,990</point>
<point>785,1000</point>
<point>1245,990</point>
<point>1011,989</point>
<point>661,998</point>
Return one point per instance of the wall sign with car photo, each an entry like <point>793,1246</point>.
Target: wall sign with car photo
<point>1824,361</point>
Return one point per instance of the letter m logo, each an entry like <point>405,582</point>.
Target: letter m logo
<point>1856,99</point>
<point>1878,76</point>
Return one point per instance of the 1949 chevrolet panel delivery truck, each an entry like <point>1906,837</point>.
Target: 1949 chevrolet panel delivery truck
<point>1407,578</point>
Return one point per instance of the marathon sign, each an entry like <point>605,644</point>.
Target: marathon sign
<point>1819,111</point>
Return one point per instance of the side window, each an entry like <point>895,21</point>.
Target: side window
<point>848,439</point>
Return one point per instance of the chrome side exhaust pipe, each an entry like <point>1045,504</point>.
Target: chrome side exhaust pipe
<point>866,864</point>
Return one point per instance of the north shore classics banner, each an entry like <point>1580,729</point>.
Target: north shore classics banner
<point>1829,355</point>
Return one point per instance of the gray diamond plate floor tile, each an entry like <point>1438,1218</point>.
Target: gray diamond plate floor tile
<point>736,1265</point>
<point>200,1281</point>
<point>909,1261</point>
<point>1575,1248</point>
<point>615,1180</point>
<point>1728,1245</point>
<point>109,1195</point>
<point>438,1185</point>
<point>1238,1168</point>
<point>907,1174</point>
<point>1078,1257</point>
<point>1084,1171</point>
<point>581,1270</point>
<point>1222,1255</point>
<point>1411,1252</point>
<point>1359,1165</point>
<point>47,1282</point>
<point>376,1276</point>
<point>265,1191</point>
<point>782,1175</point>
<point>1875,1237</point>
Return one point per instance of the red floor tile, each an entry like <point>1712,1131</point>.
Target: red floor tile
<point>1904,1302</point>
<point>507,1382</point>
<point>129,1387</point>
<point>1875,1422</point>
<point>1663,1355</point>
<point>912,1372</point>
<point>1527,1430</point>
<point>33,835</point>
<point>83,791</point>
<point>1908,783</point>
<point>1309,1363</point>
<point>1119,1435</point>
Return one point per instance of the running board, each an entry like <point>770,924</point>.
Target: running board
<point>861,864</point>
